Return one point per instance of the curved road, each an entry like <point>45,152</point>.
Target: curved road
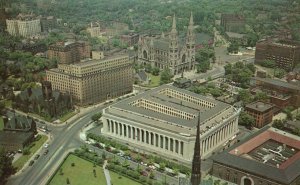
<point>63,139</point>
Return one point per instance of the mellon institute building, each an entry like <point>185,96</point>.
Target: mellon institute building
<point>164,120</point>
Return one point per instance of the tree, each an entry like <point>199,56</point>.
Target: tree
<point>268,63</point>
<point>96,116</point>
<point>246,120</point>
<point>155,71</point>
<point>6,168</point>
<point>203,66</point>
<point>279,73</point>
<point>151,175</point>
<point>166,76</point>
<point>245,96</point>
<point>26,151</point>
<point>233,48</point>
<point>162,166</point>
<point>278,124</point>
<point>148,68</point>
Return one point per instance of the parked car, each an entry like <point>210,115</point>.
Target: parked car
<point>31,163</point>
<point>46,152</point>
<point>37,156</point>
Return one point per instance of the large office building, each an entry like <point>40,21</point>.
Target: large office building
<point>93,81</point>
<point>233,23</point>
<point>286,54</point>
<point>163,121</point>
<point>24,26</point>
<point>69,52</point>
<point>167,52</point>
<point>268,157</point>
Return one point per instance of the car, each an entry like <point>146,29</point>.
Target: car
<point>46,152</point>
<point>46,145</point>
<point>31,163</point>
<point>37,156</point>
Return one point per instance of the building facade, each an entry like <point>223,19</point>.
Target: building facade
<point>166,52</point>
<point>262,113</point>
<point>69,52</point>
<point>94,29</point>
<point>130,39</point>
<point>233,23</point>
<point>163,121</point>
<point>24,26</point>
<point>93,81</point>
<point>285,54</point>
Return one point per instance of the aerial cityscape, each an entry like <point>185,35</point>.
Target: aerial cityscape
<point>140,92</point>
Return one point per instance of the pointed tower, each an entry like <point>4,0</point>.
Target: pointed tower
<point>190,43</point>
<point>196,166</point>
<point>173,47</point>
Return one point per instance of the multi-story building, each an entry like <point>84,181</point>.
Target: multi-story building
<point>281,94</point>
<point>285,54</point>
<point>24,25</point>
<point>167,52</point>
<point>262,113</point>
<point>130,39</point>
<point>163,121</point>
<point>69,52</point>
<point>93,81</point>
<point>48,23</point>
<point>233,23</point>
<point>267,157</point>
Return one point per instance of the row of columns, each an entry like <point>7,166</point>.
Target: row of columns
<point>145,137</point>
<point>210,142</point>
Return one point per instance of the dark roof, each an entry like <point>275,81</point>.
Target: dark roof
<point>7,137</point>
<point>142,75</point>
<point>259,106</point>
<point>285,176</point>
<point>36,94</point>
<point>278,83</point>
<point>18,122</point>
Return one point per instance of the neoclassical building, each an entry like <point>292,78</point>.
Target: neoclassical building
<point>167,52</point>
<point>164,120</point>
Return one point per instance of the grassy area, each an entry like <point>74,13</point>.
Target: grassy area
<point>121,180</point>
<point>35,146</point>
<point>67,116</point>
<point>1,123</point>
<point>154,80</point>
<point>40,117</point>
<point>8,103</point>
<point>81,173</point>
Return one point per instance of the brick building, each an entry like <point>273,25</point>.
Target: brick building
<point>233,23</point>
<point>130,39</point>
<point>252,161</point>
<point>286,54</point>
<point>69,52</point>
<point>281,93</point>
<point>261,111</point>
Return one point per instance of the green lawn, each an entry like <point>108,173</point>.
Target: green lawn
<point>35,146</point>
<point>66,116</point>
<point>154,80</point>
<point>121,180</point>
<point>1,123</point>
<point>80,174</point>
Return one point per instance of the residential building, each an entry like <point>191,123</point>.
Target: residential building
<point>281,93</point>
<point>267,157</point>
<point>130,39</point>
<point>18,132</point>
<point>48,23</point>
<point>164,120</point>
<point>285,54</point>
<point>167,52</point>
<point>43,101</point>
<point>262,113</point>
<point>233,23</point>
<point>93,81</point>
<point>24,26</point>
<point>69,52</point>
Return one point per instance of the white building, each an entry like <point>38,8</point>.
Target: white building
<point>163,121</point>
<point>26,26</point>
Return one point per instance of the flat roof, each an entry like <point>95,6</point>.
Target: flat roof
<point>278,83</point>
<point>286,173</point>
<point>259,106</point>
<point>128,109</point>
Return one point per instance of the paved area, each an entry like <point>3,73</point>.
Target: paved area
<point>106,173</point>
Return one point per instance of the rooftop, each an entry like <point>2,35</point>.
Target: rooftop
<point>14,137</point>
<point>175,107</point>
<point>278,83</point>
<point>268,153</point>
<point>259,106</point>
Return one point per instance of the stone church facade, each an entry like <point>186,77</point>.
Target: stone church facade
<point>166,51</point>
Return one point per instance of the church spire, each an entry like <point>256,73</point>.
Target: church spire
<point>174,23</point>
<point>196,166</point>
<point>191,20</point>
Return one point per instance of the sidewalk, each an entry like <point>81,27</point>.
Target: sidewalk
<point>106,173</point>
